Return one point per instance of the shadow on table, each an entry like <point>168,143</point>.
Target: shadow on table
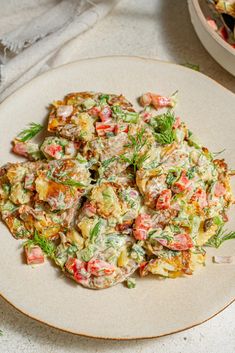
<point>176,34</point>
<point>47,337</point>
<point>183,45</point>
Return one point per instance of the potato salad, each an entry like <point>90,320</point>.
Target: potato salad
<point>111,191</point>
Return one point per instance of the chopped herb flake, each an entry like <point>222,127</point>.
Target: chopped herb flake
<point>95,231</point>
<point>194,67</point>
<point>29,133</point>
<point>220,237</point>
<point>131,283</point>
<point>45,244</point>
<point>163,128</point>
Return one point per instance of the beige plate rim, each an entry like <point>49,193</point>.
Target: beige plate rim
<point>30,316</point>
<point>81,334</point>
<point>105,57</point>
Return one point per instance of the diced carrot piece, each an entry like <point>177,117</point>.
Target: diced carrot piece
<point>98,267</point>
<point>95,111</point>
<point>164,200</point>
<point>78,269</point>
<point>53,150</point>
<point>105,114</point>
<point>162,102</point>
<point>141,227</point>
<point>89,209</point>
<point>143,269</point>
<point>103,128</point>
<point>181,184</point>
<point>34,255</point>
<point>20,148</point>
<point>177,122</point>
<point>181,242</point>
<point>201,197</point>
<point>121,128</point>
<point>219,189</point>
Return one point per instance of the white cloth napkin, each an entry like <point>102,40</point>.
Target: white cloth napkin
<point>39,27</point>
<point>29,46</point>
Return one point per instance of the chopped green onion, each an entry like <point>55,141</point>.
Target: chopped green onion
<point>131,117</point>
<point>104,98</point>
<point>95,231</point>
<point>89,103</point>
<point>194,67</point>
<point>131,283</point>
<point>191,172</point>
<point>71,182</point>
<point>87,253</point>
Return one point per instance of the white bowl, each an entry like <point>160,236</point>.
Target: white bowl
<point>221,51</point>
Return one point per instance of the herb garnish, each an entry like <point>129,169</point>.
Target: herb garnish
<point>191,172</point>
<point>28,134</point>
<point>87,253</point>
<point>104,98</point>
<point>173,175</point>
<point>71,182</point>
<point>46,245</point>
<point>95,231</point>
<point>107,162</point>
<point>215,154</point>
<point>220,237</point>
<point>136,143</point>
<point>163,128</point>
<point>131,283</point>
<point>194,67</point>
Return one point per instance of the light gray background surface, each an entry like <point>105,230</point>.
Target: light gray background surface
<point>159,29</point>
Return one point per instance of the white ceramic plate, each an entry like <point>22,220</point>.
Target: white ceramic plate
<point>155,307</point>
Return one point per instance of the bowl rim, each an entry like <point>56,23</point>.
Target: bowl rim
<point>215,35</point>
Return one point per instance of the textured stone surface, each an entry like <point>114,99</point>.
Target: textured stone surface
<point>159,29</point>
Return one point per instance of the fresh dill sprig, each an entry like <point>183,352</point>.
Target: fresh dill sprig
<point>220,237</point>
<point>107,162</point>
<point>141,159</point>
<point>1,333</point>
<point>69,182</point>
<point>136,143</point>
<point>163,128</point>
<point>191,172</point>
<point>46,245</point>
<point>215,154</point>
<point>30,132</point>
